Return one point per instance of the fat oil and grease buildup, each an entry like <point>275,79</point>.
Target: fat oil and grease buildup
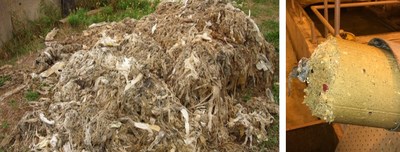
<point>352,83</point>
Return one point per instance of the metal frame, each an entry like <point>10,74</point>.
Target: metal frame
<point>337,6</point>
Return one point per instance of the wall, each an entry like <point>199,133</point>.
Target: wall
<point>21,10</point>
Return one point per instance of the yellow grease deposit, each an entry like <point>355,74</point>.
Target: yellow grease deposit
<point>362,84</point>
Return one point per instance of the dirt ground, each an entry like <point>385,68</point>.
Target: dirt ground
<point>14,107</point>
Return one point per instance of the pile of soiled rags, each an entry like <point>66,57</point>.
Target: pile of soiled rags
<point>171,81</point>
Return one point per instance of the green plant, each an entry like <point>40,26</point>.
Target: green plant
<point>27,34</point>
<point>3,79</point>
<point>124,8</point>
<point>50,14</point>
<point>273,134</point>
<point>270,30</point>
<point>273,141</point>
<point>77,18</point>
<point>275,92</point>
<point>4,125</point>
<point>92,4</point>
<point>107,10</point>
<point>273,38</point>
<point>124,4</point>
<point>273,2</point>
<point>73,20</point>
<point>143,5</point>
<point>247,96</point>
<point>260,1</point>
<point>13,103</point>
<point>31,95</point>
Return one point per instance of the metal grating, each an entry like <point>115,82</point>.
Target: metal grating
<point>368,139</point>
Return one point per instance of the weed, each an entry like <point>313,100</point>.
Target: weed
<point>275,2</point>
<point>247,96</point>
<point>270,30</point>
<point>266,12</point>
<point>123,9</point>
<point>27,35</point>
<point>108,10</point>
<point>124,4</point>
<point>273,37</point>
<point>77,18</point>
<point>270,25</point>
<point>31,95</point>
<point>50,15</point>
<point>73,20</point>
<point>275,92</point>
<point>91,4</point>
<point>273,141</point>
<point>3,79</point>
<point>13,103</point>
<point>4,125</point>
<point>260,1</point>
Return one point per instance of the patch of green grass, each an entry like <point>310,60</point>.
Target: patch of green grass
<point>266,13</point>
<point>77,18</point>
<point>239,4</point>
<point>270,29</point>
<point>270,25</point>
<point>123,9</point>
<point>124,4</point>
<point>3,79</point>
<point>275,92</point>
<point>273,37</point>
<point>31,95</point>
<point>273,141</point>
<point>13,103</point>
<point>108,10</point>
<point>4,125</point>
<point>246,97</point>
<point>260,1</point>
<point>274,2</point>
<point>273,136</point>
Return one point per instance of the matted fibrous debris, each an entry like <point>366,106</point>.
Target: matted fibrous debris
<point>170,81</point>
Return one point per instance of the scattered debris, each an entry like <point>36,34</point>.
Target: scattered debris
<point>166,82</point>
<point>50,36</point>
<point>56,68</point>
<point>7,66</point>
<point>45,120</point>
<point>13,91</point>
